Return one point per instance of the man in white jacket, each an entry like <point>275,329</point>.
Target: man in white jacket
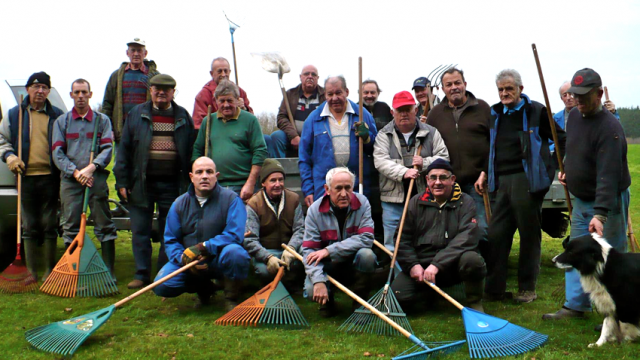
<point>395,153</point>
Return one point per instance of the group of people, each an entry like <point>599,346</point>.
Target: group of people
<point>236,211</point>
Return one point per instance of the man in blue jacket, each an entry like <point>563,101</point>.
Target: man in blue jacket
<point>205,224</point>
<point>520,171</point>
<point>330,139</point>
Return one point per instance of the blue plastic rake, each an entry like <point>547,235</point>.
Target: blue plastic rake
<point>489,336</point>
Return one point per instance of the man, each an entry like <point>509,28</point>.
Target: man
<point>72,142</point>
<point>597,174</point>
<point>152,162</point>
<point>395,153</point>
<point>205,224</point>
<point>128,86</point>
<point>380,111</point>
<point>236,143</point>
<point>521,171</point>
<point>343,252</point>
<point>274,217</point>
<point>220,70</point>
<point>40,177</point>
<point>422,90</point>
<point>327,140</point>
<point>439,241</point>
<point>303,99</point>
<point>463,121</point>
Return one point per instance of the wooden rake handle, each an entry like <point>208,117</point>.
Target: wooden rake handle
<point>355,297</point>
<point>207,133</point>
<point>360,141</point>
<point>445,295</point>
<point>19,226</point>
<point>383,248</point>
<point>487,204</point>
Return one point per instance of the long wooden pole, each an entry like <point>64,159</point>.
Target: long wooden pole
<point>360,142</point>
<point>19,226</point>
<point>487,204</point>
<point>235,64</point>
<point>207,132</point>
<point>552,124</point>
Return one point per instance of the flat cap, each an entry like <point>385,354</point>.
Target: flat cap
<point>162,80</point>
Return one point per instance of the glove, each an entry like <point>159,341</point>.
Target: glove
<point>193,253</point>
<point>287,258</point>
<point>362,130</point>
<point>15,164</point>
<point>273,264</point>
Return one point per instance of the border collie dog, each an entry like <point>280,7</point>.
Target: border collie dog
<point>612,280</point>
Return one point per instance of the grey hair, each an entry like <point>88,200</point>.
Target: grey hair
<point>219,59</point>
<point>509,73</point>
<point>560,88</point>
<point>334,79</point>
<point>337,170</point>
<point>226,87</point>
<point>369,81</point>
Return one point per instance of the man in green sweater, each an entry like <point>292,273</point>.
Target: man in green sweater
<point>236,143</point>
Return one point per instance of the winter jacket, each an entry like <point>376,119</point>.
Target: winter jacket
<point>9,132</point>
<point>270,227</point>
<point>320,232</point>
<point>72,141</point>
<point>559,118</point>
<point>381,113</point>
<point>293,95</point>
<point>217,223</point>
<point>536,159</point>
<point>112,105</point>
<point>316,151</point>
<point>205,98</point>
<point>132,155</point>
<point>387,157</point>
<point>434,235</point>
<point>467,139</point>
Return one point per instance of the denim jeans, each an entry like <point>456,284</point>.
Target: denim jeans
<point>481,214</point>
<point>614,232</point>
<point>391,214</point>
<point>277,144</point>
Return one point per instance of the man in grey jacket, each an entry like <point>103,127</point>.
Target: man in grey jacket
<point>337,241</point>
<point>395,153</point>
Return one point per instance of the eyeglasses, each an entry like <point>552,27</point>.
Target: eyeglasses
<point>441,177</point>
<point>44,88</point>
<point>309,73</point>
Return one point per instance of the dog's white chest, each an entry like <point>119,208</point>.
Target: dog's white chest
<point>598,295</point>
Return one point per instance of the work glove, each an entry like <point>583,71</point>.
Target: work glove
<point>15,164</point>
<point>273,264</point>
<point>287,258</point>
<point>610,106</point>
<point>362,130</point>
<point>195,253</point>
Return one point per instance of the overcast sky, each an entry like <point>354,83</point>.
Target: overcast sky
<point>398,40</point>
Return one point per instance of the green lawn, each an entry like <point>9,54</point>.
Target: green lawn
<point>148,328</point>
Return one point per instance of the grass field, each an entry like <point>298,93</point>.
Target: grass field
<point>148,328</point>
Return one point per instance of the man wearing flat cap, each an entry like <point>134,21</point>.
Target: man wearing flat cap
<point>597,174</point>
<point>274,217</point>
<point>439,241</point>
<point>40,177</point>
<point>152,166</point>
<point>395,153</point>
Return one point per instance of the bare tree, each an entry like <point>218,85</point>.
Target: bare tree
<point>267,122</point>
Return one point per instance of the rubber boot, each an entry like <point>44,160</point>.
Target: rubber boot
<point>31,256</point>
<point>109,257</point>
<point>50,247</point>
<point>361,287</point>
<point>474,291</point>
<point>232,292</point>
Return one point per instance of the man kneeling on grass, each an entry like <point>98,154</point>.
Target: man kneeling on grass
<point>205,224</point>
<point>337,241</point>
<point>439,241</point>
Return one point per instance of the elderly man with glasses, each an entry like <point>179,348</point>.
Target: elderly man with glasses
<point>152,164</point>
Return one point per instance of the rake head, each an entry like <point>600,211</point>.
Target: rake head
<point>273,62</point>
<point>363,320</point>
<point>16,278</point>
<point>490,337</point>
<point>64,337</point>
<point>426,350</point>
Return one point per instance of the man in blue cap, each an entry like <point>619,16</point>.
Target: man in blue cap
<point>422,89</point>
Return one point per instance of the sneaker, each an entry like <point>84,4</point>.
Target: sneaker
<point>525,296</point>
<point>137,284</point>
<point>563,313</point>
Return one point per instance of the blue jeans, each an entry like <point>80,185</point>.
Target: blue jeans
<point>481,214</point>
<point>391,214</point>
<point>232,263</point>
<point>279,144</point>
<point>615,232</point>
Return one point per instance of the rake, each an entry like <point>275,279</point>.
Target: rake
<point>64,337</point>
<point>17,278</point>
<point>81,271</point>
<point>489,336</point>
<point>363,320</point>
<point>272,305</point>
<point>421,350</point>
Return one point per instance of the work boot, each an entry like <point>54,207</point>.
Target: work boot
<point>205,291</point>
<point>563,313</point>
<point>474,291</point>
<point>232,292</point>
<point>109,257</point>
<point>50,247</point>
<point>30,254</point>
<point>525,296</point>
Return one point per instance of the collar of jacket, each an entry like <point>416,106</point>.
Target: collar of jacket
<point>192,192</point>
<point>325,205</point>
<point>298,90</point>
<point>428,198</point>
<point>48,107</point>
<point>150,64</point>
<point>320,108</point>
<point>471,100</point>
<point>268,202</point>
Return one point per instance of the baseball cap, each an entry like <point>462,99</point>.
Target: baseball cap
<point>584,80</point>
<point>420,82</point>
<point>137,41</point>
<point>402,98</point>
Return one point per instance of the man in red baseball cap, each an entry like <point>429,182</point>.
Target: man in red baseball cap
<point>395,154</point>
